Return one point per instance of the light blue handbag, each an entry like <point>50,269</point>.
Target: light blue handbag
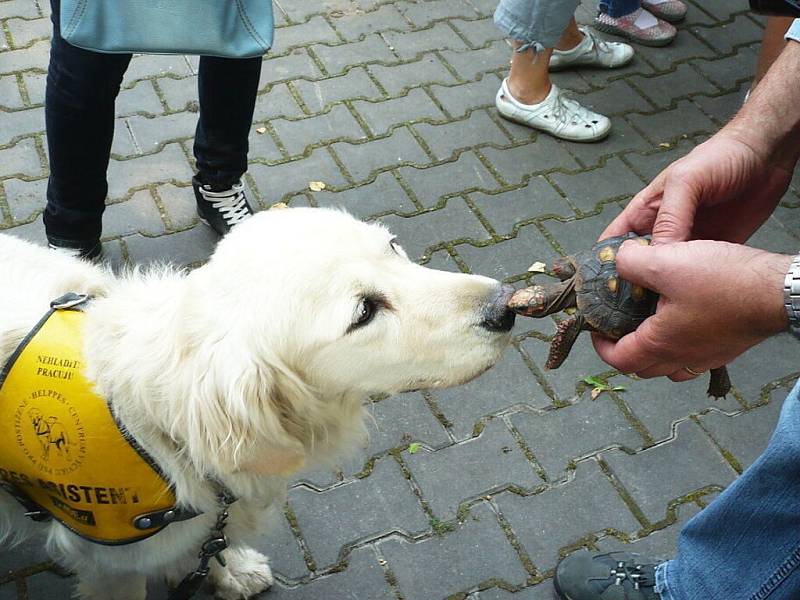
<point>227,28</point>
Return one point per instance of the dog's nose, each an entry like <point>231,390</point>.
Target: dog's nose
<point>497,316</point>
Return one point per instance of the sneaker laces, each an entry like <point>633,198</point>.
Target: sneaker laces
<point>567,109</point>
<point>231,204</point>
<point>598,46</point>
<point>638,575</point>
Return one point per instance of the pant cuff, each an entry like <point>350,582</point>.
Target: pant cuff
<point>662,576</point>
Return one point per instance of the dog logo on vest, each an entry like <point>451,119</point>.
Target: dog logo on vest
<point>51,434</point>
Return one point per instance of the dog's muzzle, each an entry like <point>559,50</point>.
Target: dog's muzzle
<point>497,316</point>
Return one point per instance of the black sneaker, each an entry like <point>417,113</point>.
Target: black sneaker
<point>86,250</point>
<point>611,576</point>
<point>221,209</point>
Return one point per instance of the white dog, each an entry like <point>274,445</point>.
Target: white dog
<point>248,369</point>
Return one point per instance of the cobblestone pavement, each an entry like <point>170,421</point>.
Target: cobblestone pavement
<point>391,105</point>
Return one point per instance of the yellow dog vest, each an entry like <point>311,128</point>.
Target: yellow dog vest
<point>62,449</point>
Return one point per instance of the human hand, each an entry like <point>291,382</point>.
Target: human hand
<point>716,300</point>
<point>722,190</point>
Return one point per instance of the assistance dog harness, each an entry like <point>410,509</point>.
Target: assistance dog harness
<point>64,455</point>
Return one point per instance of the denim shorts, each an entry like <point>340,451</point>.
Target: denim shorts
<point>538,24</point>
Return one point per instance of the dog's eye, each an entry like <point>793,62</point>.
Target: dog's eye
<point>366,310</point>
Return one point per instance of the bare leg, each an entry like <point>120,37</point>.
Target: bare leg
<point>571,37</point>
<point>772,45</point>
<point>529,78</point>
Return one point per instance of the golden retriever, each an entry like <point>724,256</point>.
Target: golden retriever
<point>248,369</point>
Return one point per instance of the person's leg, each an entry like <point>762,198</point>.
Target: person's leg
<point>227,91</point>
<point>744,545</point>
<point>79,114</point>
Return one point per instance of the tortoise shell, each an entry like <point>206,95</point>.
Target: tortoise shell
<point>608,303</point>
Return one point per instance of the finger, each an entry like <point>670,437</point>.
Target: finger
<point>682,375</point>
<point>659,370</point>
<point>675,217</point>
<point>643,265</point>
<point>625,359</point>
<point>639,215</point>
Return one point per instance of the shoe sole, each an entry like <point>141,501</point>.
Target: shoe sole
<point>597,138</point>
<point>605,28</point>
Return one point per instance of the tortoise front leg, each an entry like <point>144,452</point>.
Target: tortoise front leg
<point>720,384</point>
<point>566,334</point>
<point>563,267</point>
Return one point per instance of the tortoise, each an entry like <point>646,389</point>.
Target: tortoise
<point>605,302</point>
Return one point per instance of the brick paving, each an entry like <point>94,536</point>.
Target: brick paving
<point>391,105</point>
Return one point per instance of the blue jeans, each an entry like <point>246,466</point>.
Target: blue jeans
<point>746,544</point>
<point>538,24</point>
<point>618,8</point>
<point>79,113</point>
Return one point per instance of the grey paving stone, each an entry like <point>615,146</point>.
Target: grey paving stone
<point>730,71</point>
<point>506,210</point>
<point>600,78</point>
<point>363,578</point>
<point>30,553</point>
<point>662,543</point>
<point>472,468</point>
<point>566,381</point>
<point>432,183</point>
<point>356,84</point>
<point>15,61</point>
<point>622,139</point>
<point>352,26</point>
<point>344,56</point>
<point>516,164</point>
<point>440,566</point>
<point>724,9</point>
<point>179,205</point>
<point>422,14</point>
<point>283,550</point>
<point>21,122</point>
<point>453,222</point>
<point>298,11</point>
<point>573,236</point>
<point>263,147</point>
<point>665,126</point>
<point>769,361</point>
<point>8,591</point>
<point>775,236</point>
<point>295,65</point>
<point>470,63</point>
<point>671,470</point>
<point>19,8</point>
<point>474,131</point>
<point>146,66</point>
<point>746,435</point>
<point>725,38</point>
<point>398,78</point>
<point>315,30</point>
<point>684,47</point>
<point>616,98</point>
<point>141,98</point>
<point>32,232</point>
<point>586,189</point>
<point>459,99</point>
<point>277,102</point>
<point>543,591</point>
<point>139,214</point>
<point>478,32</point>
<point>651,164</point>
<point>124,144</point>
<point>381,196</point>
<point>336,124</point>
<point>49,586</point>
<point>35,84</point>
<point>385,500</point>
<point>565,515</point>
<point>510,258</point>
<point>400,148</point>
<point>152,133</point>
<point>382,116</point>
<point>164,166</point>
<point>25,31</point>
<point>558,436</point>
<point>10,96</point>
<point>182,248</point>
<point>721,108</point>
<point>21,159</point>
<point>659,403</point>
<point>663,90</point>
<point>508,383</point>
<point>275,182</point>
<point>412,44</point>
<point>25,198</point>
<point>180,94</point>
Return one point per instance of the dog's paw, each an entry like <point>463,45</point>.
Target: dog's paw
<point>247,573</point>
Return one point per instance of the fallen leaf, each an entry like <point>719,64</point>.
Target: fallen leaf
<point>595,393</point>
<point>382,562</point>
<point>414,447</point>
<point>595,381</point>
<point>261,130</point>
<point>665,145</point>
<point>537,267</point>
<point>316,186</point>
<point>280,205</point>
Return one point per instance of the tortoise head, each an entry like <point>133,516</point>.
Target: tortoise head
<point>542,300</point>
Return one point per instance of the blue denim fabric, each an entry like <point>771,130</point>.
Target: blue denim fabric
<point>746,544</point>
<point>619,8</point>
<point>537,23</point>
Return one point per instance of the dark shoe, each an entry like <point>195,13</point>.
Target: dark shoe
<point>221,209</point>
<point>86,250</point>
<point>611,576</point>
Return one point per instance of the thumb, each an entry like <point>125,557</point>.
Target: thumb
<point>675,217</point>
<point>642,265</point>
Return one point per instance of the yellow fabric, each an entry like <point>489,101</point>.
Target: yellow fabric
<point>61,447</point>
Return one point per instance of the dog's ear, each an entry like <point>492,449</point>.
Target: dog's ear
<point>249,417</point>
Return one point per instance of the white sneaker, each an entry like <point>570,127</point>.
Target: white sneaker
<point>593,52</point>
<point>557,114</point>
